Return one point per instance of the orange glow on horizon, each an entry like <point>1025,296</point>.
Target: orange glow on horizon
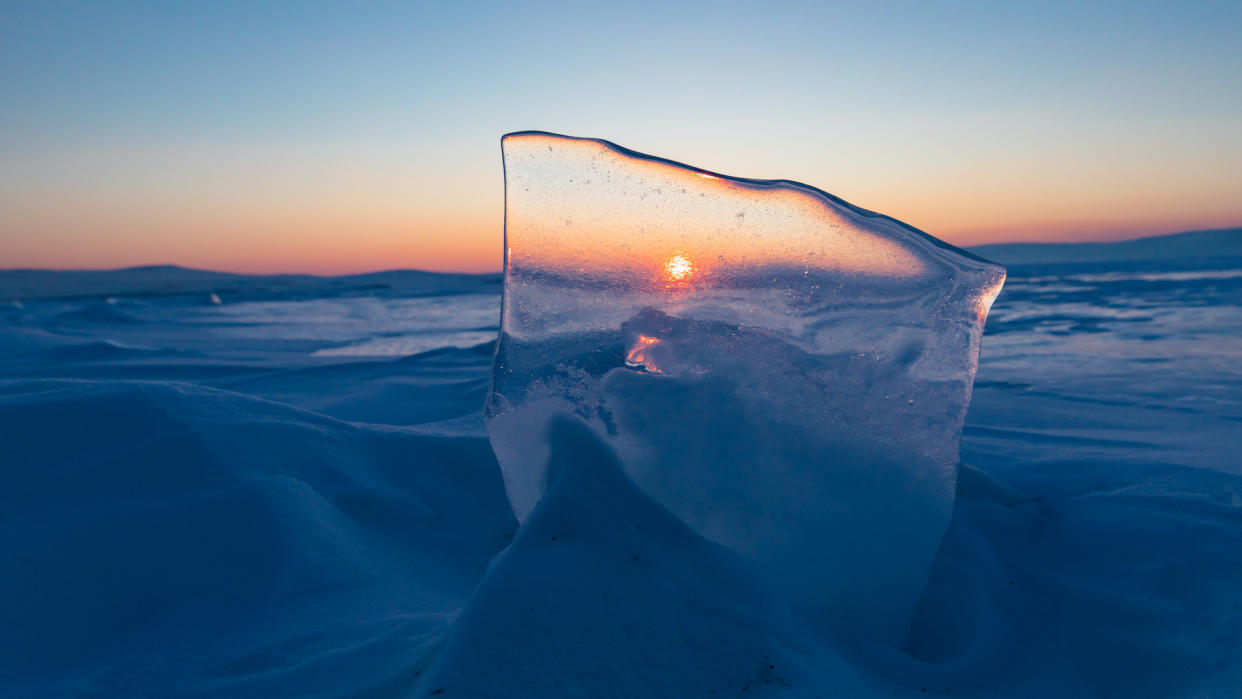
<point>346,208</point>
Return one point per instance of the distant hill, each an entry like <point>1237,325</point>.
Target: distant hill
<point>32,284</point>
<point>1193,245</point>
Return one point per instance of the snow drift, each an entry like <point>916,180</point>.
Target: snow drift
<point>175,539</point>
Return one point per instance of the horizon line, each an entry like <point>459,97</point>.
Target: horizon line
<point>389,270</point>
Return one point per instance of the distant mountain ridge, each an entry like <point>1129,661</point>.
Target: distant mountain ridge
<point>170,280</point>
<point>1192,245</point>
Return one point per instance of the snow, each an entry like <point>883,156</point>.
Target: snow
<point>194,504</point>
<point>176,539</point>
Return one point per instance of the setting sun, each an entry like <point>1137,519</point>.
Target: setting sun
<point>679,268</point>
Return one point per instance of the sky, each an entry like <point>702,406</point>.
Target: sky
<point>349,137</point>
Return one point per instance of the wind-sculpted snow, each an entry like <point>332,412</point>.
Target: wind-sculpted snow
<point>783,371</point>
<point>166,539</point>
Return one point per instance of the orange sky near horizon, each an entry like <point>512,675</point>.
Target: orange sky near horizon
<point>240,214</point>
<point>349,208</point>
<point>347,244</point>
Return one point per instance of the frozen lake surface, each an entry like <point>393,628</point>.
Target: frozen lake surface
<point>286,490</point>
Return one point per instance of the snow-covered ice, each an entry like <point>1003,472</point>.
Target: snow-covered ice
<point>196,502</point>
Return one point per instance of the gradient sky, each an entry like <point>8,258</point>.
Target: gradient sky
<point>329,138</point>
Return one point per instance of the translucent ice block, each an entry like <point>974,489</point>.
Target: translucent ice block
<point>784,371</point>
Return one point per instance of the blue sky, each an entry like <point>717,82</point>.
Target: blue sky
<point>342,137</point>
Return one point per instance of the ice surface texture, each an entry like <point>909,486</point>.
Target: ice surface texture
<point>785,372</point>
